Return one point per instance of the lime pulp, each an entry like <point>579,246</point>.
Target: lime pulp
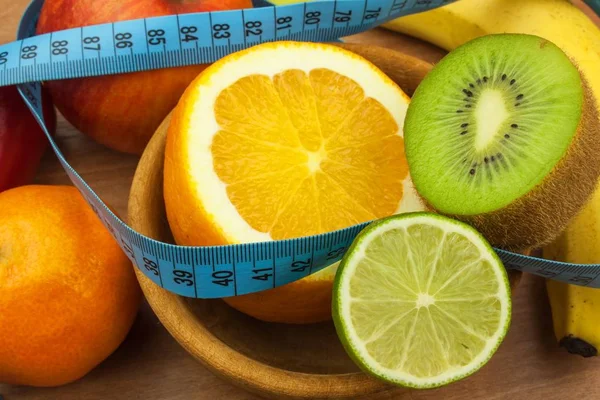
<point>421,300</point>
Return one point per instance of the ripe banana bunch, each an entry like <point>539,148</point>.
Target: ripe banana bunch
<point>575,309</point>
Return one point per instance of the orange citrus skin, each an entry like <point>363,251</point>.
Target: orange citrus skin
<point>68,294</point>
<point>305,301</point>
<point>179,194</point>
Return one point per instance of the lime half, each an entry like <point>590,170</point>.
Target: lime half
<point>421,300</point>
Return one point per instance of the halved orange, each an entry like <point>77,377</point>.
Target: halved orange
<point>284,140</point>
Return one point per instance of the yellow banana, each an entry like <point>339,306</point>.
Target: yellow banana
<point>576,309</point>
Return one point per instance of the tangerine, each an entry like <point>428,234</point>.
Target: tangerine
<point>68,293</point>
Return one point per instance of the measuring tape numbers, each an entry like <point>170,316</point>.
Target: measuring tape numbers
<point>202,38</point>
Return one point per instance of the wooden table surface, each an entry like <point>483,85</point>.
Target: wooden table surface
<point>151,365</point>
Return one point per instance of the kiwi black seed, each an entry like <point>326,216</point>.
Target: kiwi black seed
<point>504,133</point>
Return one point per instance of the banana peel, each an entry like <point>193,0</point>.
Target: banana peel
<point>576,309</point>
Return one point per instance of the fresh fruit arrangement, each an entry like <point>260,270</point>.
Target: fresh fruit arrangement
<point>567,26</point>
<point>499,146</point>
<point>488,144</point>
<point>320,157</point>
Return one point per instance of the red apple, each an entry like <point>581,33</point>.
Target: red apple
<point>22,141</point>
<point>121,111</point>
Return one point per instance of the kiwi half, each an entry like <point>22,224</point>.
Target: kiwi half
<point>504,134</point>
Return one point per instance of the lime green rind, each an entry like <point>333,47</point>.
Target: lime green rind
<point>343,329</point>
<point>429,125</point>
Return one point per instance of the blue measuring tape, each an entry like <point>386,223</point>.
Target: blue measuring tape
<point>120,47</point>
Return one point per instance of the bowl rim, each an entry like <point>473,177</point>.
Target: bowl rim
<point>242,370</point>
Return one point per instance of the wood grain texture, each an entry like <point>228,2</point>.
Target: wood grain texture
<point>152,365</point>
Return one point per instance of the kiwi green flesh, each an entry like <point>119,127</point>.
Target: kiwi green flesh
<point>491,121</point>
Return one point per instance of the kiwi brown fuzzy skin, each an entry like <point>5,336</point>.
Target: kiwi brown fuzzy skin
<point>537,218</point>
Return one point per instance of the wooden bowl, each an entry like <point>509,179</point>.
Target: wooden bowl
<point>273,360</point>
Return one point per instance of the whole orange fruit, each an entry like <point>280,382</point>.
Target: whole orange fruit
<point>68,293</point>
